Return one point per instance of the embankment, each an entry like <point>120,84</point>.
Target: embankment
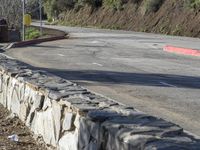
<point>172,17</point>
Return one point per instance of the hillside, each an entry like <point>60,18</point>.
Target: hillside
<point>174,17</point>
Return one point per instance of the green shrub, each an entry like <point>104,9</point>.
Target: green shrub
<point>50,20</point>
<point>115,4</point>
<point>152,5</point>
<point>49,8</point>
<point>193,4</point>
<point>94,3</point>
<point>32,33</point>
<point>136,1</point>
<point>53,7</point>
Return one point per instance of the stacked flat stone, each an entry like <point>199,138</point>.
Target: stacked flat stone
<point>70,117</point>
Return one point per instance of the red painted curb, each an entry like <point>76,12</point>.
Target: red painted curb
<point>179,50</point>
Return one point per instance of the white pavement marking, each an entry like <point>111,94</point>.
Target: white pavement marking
<point>61,55</point>
<point>97,64</point>
<point>167,84</point>
<point>94,42</point>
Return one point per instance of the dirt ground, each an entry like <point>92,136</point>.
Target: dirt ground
<point>172,18</point>
<point>12,125</point>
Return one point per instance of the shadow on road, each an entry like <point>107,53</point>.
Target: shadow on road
<point>143,79</point>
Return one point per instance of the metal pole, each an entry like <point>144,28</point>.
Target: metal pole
<point>40,1</point>
<point>23,26</point>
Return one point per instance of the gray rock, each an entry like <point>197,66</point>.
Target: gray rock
<point>38,100</point>
<point>67,121</point>
<point>1,83</point>
<point>69,141</point>
<point>47,104</point>
<point>83,134</point>
<point>30,117</point>
<point>15,102</point>
<point>92,145</point>
<point>169,145</point>
<point>101,115</point>
<point>24,109</point>
<point>43,124</point>
<point>56,116</point>
<point>94,129</point>
<point>56,95</point>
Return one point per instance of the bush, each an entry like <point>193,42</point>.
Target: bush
<point>152,5</point>
<point>49,8</point>
<point>94,3</point>
<point>64,4</point>
<point>54,7</point>
<point>193,4</point>
<point>136,1</point>
<point>32,33</point>
<point>115,4</point>
<point>50,20</point>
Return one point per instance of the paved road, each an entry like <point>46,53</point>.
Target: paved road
<point>128,67</point>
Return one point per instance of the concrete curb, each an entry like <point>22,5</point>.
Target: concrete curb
<point>180,50</point>
<point>56,35</point>
<point>36,41</point>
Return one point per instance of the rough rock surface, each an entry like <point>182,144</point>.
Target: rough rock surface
<point>69,117</point>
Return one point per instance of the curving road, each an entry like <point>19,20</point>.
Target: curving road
<point>129,67</point>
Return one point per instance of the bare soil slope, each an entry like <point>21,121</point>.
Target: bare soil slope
<point>10,126</point>
<point>171,18</point>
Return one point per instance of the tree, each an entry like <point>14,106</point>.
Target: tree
<point>54,7</point>
<point>11,10</point>
<point>33,8</point>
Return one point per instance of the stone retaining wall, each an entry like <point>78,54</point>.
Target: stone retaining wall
<point>69,117</point>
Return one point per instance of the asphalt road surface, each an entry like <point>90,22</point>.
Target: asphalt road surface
<point>129,67</point>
